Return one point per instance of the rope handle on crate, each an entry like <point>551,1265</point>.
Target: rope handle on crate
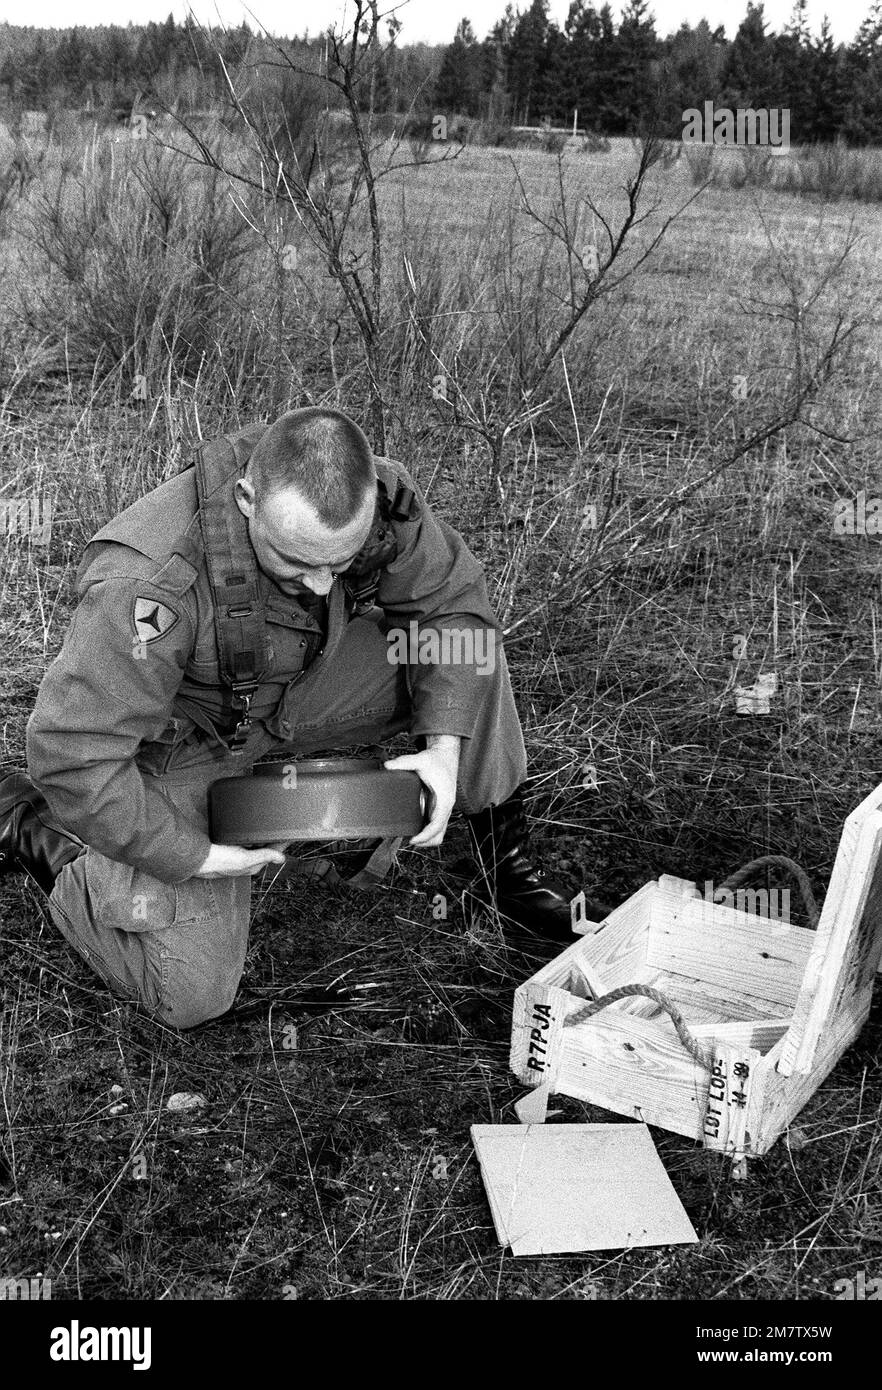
<point>691,1044</point>
<point>780,861</point>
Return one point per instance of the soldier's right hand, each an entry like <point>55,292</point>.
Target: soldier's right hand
<point>231,861</point>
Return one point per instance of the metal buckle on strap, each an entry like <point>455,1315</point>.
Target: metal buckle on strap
<point>242,697</point>
<point>361,596</point>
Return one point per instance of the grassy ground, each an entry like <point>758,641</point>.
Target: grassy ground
<point>342,1167</point>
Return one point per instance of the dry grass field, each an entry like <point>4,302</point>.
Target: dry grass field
<point>343,1168</point>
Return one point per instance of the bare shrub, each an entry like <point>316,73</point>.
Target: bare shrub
<point>493,130</point>
<point>700,162</point>
<point>594,143</point>
<point>834,171</point>
<point>752,168</point>
<point>554,142</point>
<point>666,153</point>
<point>132,260</point>
<point>17,174</point>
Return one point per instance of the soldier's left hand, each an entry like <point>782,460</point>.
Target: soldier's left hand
<point>437,767</point>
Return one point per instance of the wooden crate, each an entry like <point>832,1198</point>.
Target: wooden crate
<point>772,1006</point>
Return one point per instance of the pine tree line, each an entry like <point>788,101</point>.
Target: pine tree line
<point>175,65</point>
<point>620,78</point>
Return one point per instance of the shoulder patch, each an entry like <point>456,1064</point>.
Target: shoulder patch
<point>151,619</point>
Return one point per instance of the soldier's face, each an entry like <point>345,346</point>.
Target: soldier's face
<point>293,546</point>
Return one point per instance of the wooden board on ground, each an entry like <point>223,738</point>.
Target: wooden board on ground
<point>557,1189</point>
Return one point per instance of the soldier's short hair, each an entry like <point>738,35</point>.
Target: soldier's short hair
<point>324,455</point>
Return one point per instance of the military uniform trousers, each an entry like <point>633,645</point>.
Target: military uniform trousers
<point>178,949</point>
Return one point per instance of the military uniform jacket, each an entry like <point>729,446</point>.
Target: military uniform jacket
<point>138,670</point>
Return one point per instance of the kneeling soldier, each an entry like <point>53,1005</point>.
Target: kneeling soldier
<point>241,609</point>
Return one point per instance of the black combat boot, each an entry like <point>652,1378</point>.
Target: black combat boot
<point>31,840</point>
<point>521,891</point>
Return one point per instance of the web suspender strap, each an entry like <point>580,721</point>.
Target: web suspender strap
<point>240,616</point>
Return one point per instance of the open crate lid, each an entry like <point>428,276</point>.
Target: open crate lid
<point>845,957</point>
